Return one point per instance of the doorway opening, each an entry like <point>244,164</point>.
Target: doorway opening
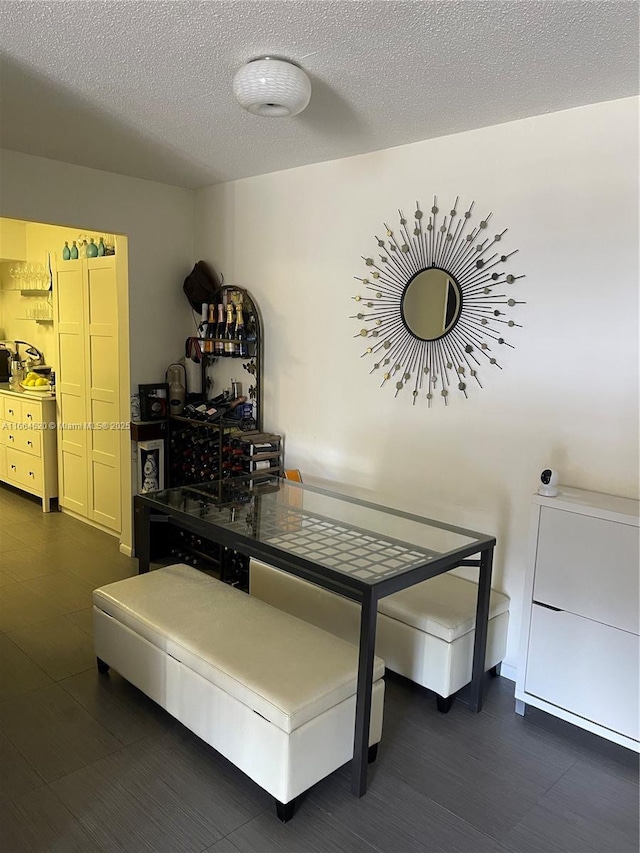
<point>73,312</point>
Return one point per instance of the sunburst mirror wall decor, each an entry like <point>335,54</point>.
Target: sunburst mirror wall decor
<point>435,304</point>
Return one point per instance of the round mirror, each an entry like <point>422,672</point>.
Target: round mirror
<point>431,304</point>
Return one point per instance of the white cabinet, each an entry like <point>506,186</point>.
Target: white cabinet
<point>579,655</point>
<point>28,458</point>
<point>89,444</point>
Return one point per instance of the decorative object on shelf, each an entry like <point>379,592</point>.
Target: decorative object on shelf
<point>150,466</point>
<point>193,367</point>
<point>153,401</point>
<point>135,407</point>
<point>92,249</point>
<point>272,87</point>
<point>74,251</point>
<point>101,248</point>
<point>66,252</point>
<point>549,480</point>
<point>176,377</point>
<point>432,310</point>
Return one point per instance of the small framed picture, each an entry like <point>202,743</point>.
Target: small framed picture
<point>154,401</point>
<point>150,466</point>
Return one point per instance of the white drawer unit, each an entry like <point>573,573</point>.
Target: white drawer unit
<point>28,457</point>
<point>580,646</point>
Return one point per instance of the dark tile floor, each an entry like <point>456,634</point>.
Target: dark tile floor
<point>90,764</point>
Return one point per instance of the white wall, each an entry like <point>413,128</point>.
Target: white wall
<point>158,221</point>
<point>566,187</point>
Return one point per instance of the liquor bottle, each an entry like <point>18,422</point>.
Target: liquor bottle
<point>202,327</point>
<point>240,349</point>
<point>219,343</point>
<point>211,328</point>
<point>228,332</point>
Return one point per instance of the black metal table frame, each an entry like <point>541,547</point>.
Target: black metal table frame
<point>148,513</point>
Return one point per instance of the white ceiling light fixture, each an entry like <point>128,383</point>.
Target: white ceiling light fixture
<point>272,87</point>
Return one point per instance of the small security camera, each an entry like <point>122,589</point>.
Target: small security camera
<point>549,480</point>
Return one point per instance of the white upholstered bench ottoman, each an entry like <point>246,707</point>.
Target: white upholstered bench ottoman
<point>273,694</point>
<point>425,633</point>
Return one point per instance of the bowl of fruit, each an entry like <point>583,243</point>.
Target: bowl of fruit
<point>35,382</point>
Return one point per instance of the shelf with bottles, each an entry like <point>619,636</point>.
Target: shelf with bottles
<point>251,456</point>
<point>88,247</point>
<point>229,409</point>
<point>199,455</point>
<point>217,560</point>
<point>230,338</point>
<point>229,325</point>
<point>194,453</point>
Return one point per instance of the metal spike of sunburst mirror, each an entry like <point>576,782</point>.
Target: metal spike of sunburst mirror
<point>435,304</point>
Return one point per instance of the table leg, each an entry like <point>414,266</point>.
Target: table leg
<point>482,625</point>
<point>363,694</point>
<point>142,536</point>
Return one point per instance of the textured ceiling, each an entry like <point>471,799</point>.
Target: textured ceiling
<point>144,88</point>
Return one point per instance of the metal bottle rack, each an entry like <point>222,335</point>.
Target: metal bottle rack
<point>207,440</point>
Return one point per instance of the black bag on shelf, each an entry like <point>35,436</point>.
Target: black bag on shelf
<point>200,285</point>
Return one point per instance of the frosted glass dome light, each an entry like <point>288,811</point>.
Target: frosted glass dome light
<point>272,87</point>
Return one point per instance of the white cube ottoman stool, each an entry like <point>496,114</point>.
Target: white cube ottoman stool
<point>424,633</point>
<point>273,694</point>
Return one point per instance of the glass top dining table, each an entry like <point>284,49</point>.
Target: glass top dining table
<point>361,550</point>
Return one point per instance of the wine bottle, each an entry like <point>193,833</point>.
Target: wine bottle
<point>219,343</point>
<point>228,332</point>
<point>240,350</point>
<point>252,467</point>
<point>211,328</point>
<point>202,328</point>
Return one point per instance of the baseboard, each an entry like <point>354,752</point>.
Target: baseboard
<point>127,550</point>
<point>509,672</point>
<point>89,521</point>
